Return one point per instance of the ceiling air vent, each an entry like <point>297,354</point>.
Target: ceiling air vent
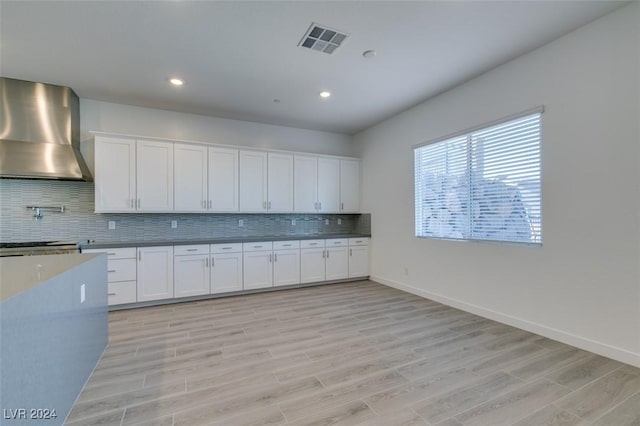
<point>323,39</point>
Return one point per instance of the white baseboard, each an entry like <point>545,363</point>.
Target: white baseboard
<point>599,348</point>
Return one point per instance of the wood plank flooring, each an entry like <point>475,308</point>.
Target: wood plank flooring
<point>344,354</point>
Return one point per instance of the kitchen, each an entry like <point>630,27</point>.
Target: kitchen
<point>396,258</point>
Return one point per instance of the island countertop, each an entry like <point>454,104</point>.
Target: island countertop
<point>21,273</point>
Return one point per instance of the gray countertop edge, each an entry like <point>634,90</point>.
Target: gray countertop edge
<point>223,240</point>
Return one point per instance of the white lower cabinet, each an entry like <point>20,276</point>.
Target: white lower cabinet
<point>226,268</point>
<point>312,261</point>
<point>166,272</point>
<point>286,263</point>
<point>336,259</point>
<point>121,274</point>
<point>358,257</point>
<point>155,273</point>
<point>258,265</point>
<point>191,270</point>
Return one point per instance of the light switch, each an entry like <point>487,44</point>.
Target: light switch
<point>82,294</point>
<point>174,224</point>
<point>112,224</point>
<point>240,223</point>
<point>339,221</point>
<point>326,221</point>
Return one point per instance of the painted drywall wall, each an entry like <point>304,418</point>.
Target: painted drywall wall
<point>118,118</point>
<point>583,285</point>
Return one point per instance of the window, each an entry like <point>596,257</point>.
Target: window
<point>483,184</point>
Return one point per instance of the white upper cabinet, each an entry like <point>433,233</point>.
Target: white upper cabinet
<point>328,185</point>
<point>115,174</point>
<point>349,186</point>
<point>223,180</point>
<point>150,175</point>
<point>305,193</point>
<point>190,178</point>
<point>317,184</point>
<point>266,182</point>
<point>279,183</point>
<point>154,176</point>
<point>253,181</point>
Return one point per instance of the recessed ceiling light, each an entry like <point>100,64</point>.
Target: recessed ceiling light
<point>369,53</point>
<point>325,94</point>
<point>176,81</point>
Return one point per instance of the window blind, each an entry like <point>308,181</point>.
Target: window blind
<point>483,185</point>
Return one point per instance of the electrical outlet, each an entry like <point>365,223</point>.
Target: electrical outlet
<point>326,221</point>
<point>339,221</point>
<point>112,224</point>
<point>174,224</point>
<point>240,223</point>
<point>293,222</point>
<point>83,295</point>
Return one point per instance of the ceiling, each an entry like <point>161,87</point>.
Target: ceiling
<point>237,57</point>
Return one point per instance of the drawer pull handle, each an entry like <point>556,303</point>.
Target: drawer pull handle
<point>313,244</point>
<point>112,294</point>
<point>111,254</point>
<point>227,248</point>
<point>286,245</point>
<point>257,246</point>
<point>111,270</point>
<point>192,249</point>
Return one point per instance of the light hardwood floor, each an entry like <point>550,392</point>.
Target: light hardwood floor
<point>345,354</point>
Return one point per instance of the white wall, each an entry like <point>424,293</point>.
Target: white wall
<point>583,285</point>
<point>117,118</point>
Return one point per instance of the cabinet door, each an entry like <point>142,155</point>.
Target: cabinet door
<point>312,265</point>
<point>154,176</point>
<point>305,188</point>
<point>337,263</point>
<point>258,269</point>
<point>115,174</point>
<point>286,267</point>
<point>191,275</point>
<point>223,180</point>
<point>190,178</point>
<point>329,185</point>
<point>349,186</point>
<point>358,261</point>
<point>155,273</point>
<point>226,272</point>
<point>280,183</point>
<point>253,181</point>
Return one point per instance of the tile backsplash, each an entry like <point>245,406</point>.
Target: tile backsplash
<point>80,223</point>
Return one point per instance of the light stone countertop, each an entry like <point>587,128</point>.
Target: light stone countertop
<point>21,273</point>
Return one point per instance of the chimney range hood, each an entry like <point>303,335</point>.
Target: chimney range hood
<point>40,132</point>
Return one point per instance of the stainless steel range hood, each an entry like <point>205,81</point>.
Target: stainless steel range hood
<point>40,132</point>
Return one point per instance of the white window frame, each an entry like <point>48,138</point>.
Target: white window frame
<point>465,160</point>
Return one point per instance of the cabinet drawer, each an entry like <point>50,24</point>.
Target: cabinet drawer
<point>114,253</point>
<point>312,243</point>
<point>226,248</point>
<point>122,292</point>
<point>286,245</point>
<point>336,242</point>
<point>121,270</point>
<point>260,246</point>
<point>358,241</point>
<point>196,249</point>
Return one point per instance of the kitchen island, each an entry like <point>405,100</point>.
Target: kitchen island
<point>53,330</point>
